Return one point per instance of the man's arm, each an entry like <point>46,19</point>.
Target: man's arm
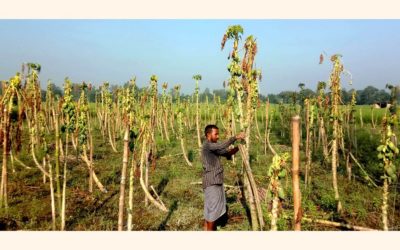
<point>221,148</point>
<point>231,152</point>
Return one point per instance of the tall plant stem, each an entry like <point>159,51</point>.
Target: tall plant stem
<point>64,191</point>
<point>57,159</point>
<point>53,209</point>
<point>385,204</point>
<point>125,160</point>
<point>3,185</point>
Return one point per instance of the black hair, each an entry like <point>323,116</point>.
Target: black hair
<point>209,128</point>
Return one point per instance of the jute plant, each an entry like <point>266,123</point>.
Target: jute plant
<point>84,137</point>
<point>310,109</point>
<point>128,115</point>
<point>179,115</point>
<point>336,119</point>
<point>387,152</point>
<point>11,91</point>
<point>243,80</point>
<point>197,78</point>
<point>69,113</point>
<point>164,110</point>
<point>276,173</point>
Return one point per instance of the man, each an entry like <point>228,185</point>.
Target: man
<point>213,175</point>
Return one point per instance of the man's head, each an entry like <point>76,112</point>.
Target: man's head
<point>211,133</point>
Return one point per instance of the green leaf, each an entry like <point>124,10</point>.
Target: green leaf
<point>281,193</point>
<point>393,177</point>
<point>389,171</point>
<point>392,146</point>
<point>282,173</point>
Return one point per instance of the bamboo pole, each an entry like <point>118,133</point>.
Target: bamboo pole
<point>295,172</point>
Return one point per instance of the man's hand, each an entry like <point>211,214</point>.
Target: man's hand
<point>240,136</point>
<point>233,151</point>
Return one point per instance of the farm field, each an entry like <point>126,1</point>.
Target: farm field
<point>102,157</point>
<point>30,204</point>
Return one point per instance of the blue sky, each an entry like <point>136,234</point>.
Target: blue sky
<point>115,50</point>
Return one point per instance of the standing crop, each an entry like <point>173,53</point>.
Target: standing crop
<point>388,150</point>
<point>336,121</point>
<point>310,121</point>
<point>276,172</point>
<point>164,110</point>
<point>84,137</point>
<point>128,114</point>
<point>179,115</point>
<point>351,132</point>
<point>13,90</point>
<point>108,114</point>
<point>243,81</point>
<point>322,101</point>
<point>69,113</point>
<point>197,78</point>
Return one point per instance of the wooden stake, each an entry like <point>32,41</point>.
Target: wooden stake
<point>295,171</point>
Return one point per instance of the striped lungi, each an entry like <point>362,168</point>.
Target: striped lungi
<point>214,202</point>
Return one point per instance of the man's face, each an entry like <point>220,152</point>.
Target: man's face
<point>213,136</point>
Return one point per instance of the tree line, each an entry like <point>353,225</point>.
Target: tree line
<point>368,95</point>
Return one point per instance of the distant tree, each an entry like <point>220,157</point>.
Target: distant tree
<point>368,95</point>
<point>301,93</point>
<point>92,94</point>
<point>382,96</point>
<point>221,93</point>
<point>274,99</point>
<point>307,93</point>
<point>262,97</point>
<point>286,96</point>
<point>346,96</point>
<point>76,91</point>
<point>205,93</point>
<point>57,90</point>
<point>1,87</point>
